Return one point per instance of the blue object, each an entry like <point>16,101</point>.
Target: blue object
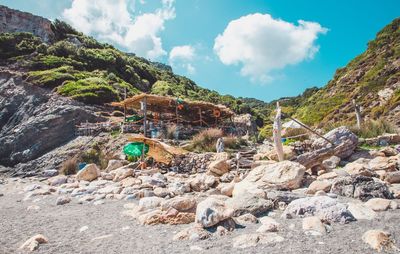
<point>81,165</point>
<point>283,140</point>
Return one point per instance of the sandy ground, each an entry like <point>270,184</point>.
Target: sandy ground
<point>110,232</point>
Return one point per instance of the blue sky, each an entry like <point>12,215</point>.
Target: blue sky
<point>262,50</point>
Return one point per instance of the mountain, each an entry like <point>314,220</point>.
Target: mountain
<point>372,79</point>
<point>53,55</point>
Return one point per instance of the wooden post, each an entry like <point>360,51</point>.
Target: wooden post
<point>144,102</point>
<point>277,133</point>
<point>357,109</point>
<point>201,119</point>
<point>125,105</point>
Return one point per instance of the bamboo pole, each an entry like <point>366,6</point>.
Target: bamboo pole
<point>357,109</point>
<point>144,124</point>
<point>277,128</point>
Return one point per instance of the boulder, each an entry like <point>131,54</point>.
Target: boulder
<point>89,173</point>
<point>227,188</point>
<point>181,204</point>
<point>202,182</point>
<point>268,225</point>
<point>324,207</point>
<point>383,163</point>
<point>361,211</point>
<point>360,187</point>
<point>33,243</point>
<point>211,211</point>
<point>313,226</point>
<point>57,180</point>
<point>393,177</point>
<point>359,167</point>
<point>319,186</point>
<point>248,203</point>
<point>331,162</point>
<point>114,164</point>
<point>380,204</point>
<point>282,175</point>
<point>379,240</point>
<point>218,167</point>
<point>122,173</point>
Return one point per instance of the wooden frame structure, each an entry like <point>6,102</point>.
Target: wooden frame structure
<point>175,110</point>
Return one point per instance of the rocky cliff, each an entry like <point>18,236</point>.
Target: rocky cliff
<point>12,21</point>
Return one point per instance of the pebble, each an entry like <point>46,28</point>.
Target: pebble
<point>84,228</point>
<point>98,202</point>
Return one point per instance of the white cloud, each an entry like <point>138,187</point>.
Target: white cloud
<point>111,21</point>
<point>261,44</point>
<point>182,56</point>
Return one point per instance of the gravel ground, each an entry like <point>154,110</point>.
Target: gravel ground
<point>120,234</point>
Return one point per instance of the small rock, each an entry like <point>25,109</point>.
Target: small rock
<point>84,228</point>
<point>380,204</point>
<point>268,225</point>
<point>361,211</point>
<point>98,202</point>
<point>218,167</point>
<point>318,186</point>
<point>89,173</point>
<point>247,219</point>
<point>33,243</point>
<point>57,180</point>
<point>148,203</point>
<point>379,240</point>
<point>212,211</point>
<point>313,226</point>
<point>114,164</point>
<point>192,233</point>
<point>248,203</point>
<point>62,200</point>
<point>331,163</point>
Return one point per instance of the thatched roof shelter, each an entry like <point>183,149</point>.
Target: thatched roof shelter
<point>189,111</point>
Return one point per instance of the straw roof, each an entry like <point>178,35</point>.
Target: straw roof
<point>165,104</point>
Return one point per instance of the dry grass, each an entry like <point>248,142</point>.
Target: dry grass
<point>374,128</point>
<point>171,130</point>
<point>69,167</point>
<point>294,132</point>
<point>206,140</point>
<point>232,142</point>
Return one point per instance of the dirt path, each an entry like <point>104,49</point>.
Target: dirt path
<point>110,232</point>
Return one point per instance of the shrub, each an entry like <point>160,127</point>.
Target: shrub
<point>374,128</point>
<point>62,48</point>
<point>44,62</point>
<point>232,142</point>
<point>171,130</point>
<point>69,167</point>
<point>95,155</point>
<point>89,90</point>
<point>51,78</point>
<point>206,140</point>
<point>62,29</point>
<point>16,44</point>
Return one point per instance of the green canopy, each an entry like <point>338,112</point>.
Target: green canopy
<point>135,149</point>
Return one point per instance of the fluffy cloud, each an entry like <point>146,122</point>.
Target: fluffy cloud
<point>262,44</point>
<point>181,56</point>
<point>111,21</point>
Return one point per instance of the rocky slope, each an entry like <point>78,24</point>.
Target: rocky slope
<point>372,79</point>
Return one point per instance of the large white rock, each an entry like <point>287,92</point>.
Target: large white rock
<point>211,211</point>
<point>281,175</point>
<point>89,173</point>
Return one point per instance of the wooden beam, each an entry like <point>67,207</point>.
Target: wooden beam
<point>277,128</point>
<point>144,123</point>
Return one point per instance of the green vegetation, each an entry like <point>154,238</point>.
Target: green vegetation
<point>17,44</point>
<point>52,77</point>
<point>374,128</point>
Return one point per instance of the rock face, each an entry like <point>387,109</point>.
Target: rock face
<point>360,187</point>
<point>30,113</point>
<point>325,208</point>
<point>12,21</point>
<point>281,175</point>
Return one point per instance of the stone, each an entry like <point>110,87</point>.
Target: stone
<point>268,225</point>
<point>248,203</point>
<point>247,218</point>
<point>331,163</point>
<point>379,240</point>
<point>382,163</point>
<point>313,226</point>
<point>122,173</point>
<point>148,203</point>
<point>89,173</point>
<point>360,187</point>
<point>83,228</point>
<point>57,180</point>
<point>283,196</point>
<point>179,188</point>
<point>393,177</point>
<point>359,168</point>
<point>327,176</point>
<point>281,175</point>
<point>181,204</point>
<point>129,182</point>
<point>288,153</point>
<point>161,192</point>
<point>389,151</point>
<point>33,243</point>
<point>202,182</point>
<point>380,204</point>
<point>211,211</point>
<point>62,200</point>
<point>98,202</point>
<point>227,188</point>
<point>218,167</point>
<point>32,187</point>
<point>361,211</point>
<point>151,182</point>
<point>110,189</point>
<point>192,233</point>
<point>324,207</point>
<point>114,164</point>
<point>252,240</point>
<point>395,189</point>
<point>50,172</point>
<point>319,186</point>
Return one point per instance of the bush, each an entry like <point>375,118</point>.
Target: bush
<point>62,29</point>
<point>206,140</point>
<point>62,48</point>
<point>17,44</point>
<point>374,128</point>
<point>51,78</point>
<point>44,62</point>
<point>95,155</point>
<point>89,90</point>
<point>69,167</point>
<point>232,142</point>
<point>171,130</point>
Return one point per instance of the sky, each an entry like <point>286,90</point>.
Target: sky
<point>265,49</point>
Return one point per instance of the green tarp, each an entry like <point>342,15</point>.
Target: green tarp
<point>135,149</point>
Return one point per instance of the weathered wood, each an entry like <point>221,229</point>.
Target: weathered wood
<point>357,109</point>
<point>277,128</point>
<point>144,124</point>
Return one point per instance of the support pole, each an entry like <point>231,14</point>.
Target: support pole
<point>124,106</point>
<point>357,109</point>
<point>277,133</point>
<point>144,103</point>
<point>201,119</point>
